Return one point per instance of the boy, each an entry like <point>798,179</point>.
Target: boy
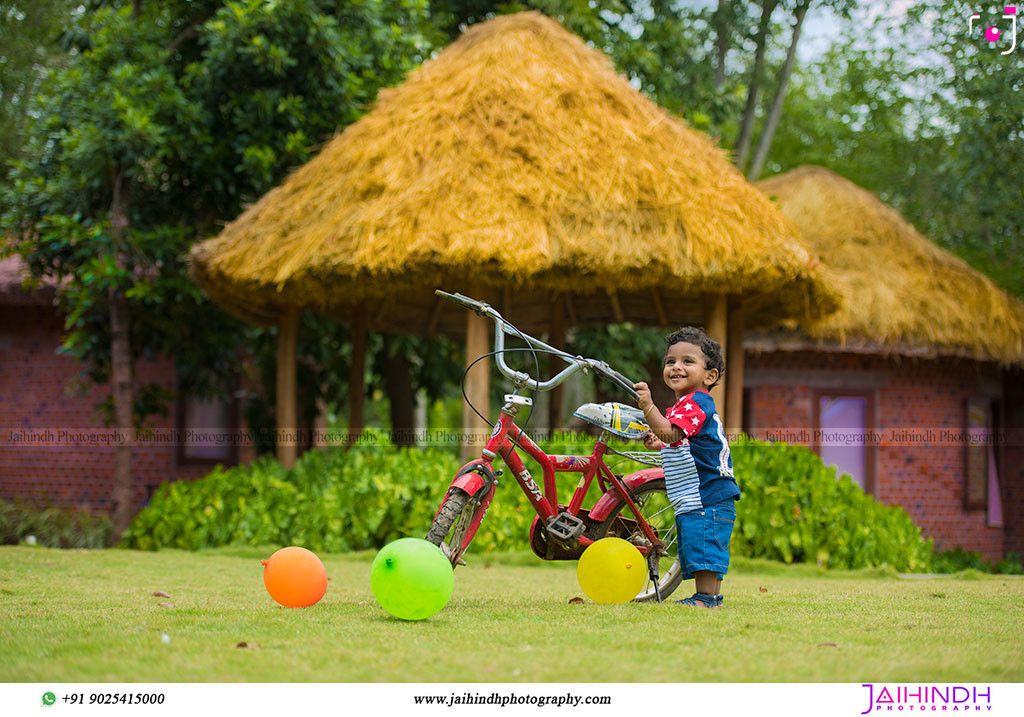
<point>695,457</point>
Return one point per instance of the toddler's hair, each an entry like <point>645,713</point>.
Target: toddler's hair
<point>711,348</point>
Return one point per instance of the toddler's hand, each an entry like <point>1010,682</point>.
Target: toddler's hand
<point>652,442</point>
<point>644,399</point>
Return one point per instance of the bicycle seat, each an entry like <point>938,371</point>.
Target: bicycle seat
<point>622,420</point>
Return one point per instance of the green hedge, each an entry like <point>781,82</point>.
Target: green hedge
<point>332,500</point>
<point>958,560</point>
<point>54,527</point>
<point>793,507</point>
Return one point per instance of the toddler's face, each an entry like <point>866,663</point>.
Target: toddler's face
<point>686,369</point>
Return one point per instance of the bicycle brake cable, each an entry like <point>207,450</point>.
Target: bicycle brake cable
<point>534,351</point>
<point>481,358</point>
<point>536,363</point>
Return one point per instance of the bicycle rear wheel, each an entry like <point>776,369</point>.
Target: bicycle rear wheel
<point>653,503</point>
<point>451,523</point>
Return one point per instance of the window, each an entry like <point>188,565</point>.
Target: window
<point>981,474</point>
<point>842,422</point>
<point>208,432</point>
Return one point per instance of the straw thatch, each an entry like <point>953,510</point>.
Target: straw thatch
<point>901,293</point>
<point>517,157</point>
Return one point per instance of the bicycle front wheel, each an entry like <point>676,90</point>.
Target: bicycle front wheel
<point>451,523</point>
<point>653,503</point>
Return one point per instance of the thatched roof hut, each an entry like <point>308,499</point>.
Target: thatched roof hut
<point>902,294</point>
<point>517,162</point>
<point>517,156</point>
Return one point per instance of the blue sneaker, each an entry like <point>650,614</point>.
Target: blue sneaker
<point>702,598</point>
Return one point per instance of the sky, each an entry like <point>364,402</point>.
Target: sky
<point>822,27</point>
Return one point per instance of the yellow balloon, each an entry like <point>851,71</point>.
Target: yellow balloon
<point>611,571</point>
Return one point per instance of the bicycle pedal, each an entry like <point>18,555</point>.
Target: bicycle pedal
<point>566,526</point>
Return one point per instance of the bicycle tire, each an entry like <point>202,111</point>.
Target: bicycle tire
<point>650,498</point>
<point>451,523</point>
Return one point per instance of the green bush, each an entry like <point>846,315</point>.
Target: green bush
<point>793,507</point>
<point>1010,565</point>
<point>54,527</point>
<point>332,500</point>
<point>958,560</point>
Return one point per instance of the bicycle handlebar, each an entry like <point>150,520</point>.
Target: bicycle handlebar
<point>576,363</point>
<point>623,382</point>
<point>464,301</point>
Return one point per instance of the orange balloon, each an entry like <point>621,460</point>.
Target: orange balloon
<point>295,577</point>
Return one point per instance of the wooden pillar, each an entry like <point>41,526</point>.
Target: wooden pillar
<point>287,395</point>
<point>478,383</point>
<point>556,409</point>
<point>356,376</point>
<point>247,452</point>
<point>320,424</point>
<point>734,367</point>
<point>716,321</point>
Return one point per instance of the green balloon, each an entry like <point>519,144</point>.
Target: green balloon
<point>411,578</point>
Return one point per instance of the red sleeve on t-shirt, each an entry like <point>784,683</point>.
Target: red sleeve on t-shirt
<point>687,416</point>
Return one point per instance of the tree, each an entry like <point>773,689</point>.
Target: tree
<point>856,112</point>
<point>98,153</point>
<point>725,23</point>
<point>936,133</point>
<point>746,134</point>
<point>800,8</point>
<point>672,54</point>
<point>30,42</point>
<point>978,93</point>
<point>772,120</point>
<point>165,121</point>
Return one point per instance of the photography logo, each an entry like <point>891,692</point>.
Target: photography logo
<point>927,698</point>
<point>993,34</point>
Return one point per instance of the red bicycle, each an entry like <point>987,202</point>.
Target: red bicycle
<point>633,506</point>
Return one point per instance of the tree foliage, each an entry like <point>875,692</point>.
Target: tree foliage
<point>164,121</point>
<point>185,111</point>
<point>937,132</point>
<point>199,107</point>
<point>978,90</point>
<point>31,40</point>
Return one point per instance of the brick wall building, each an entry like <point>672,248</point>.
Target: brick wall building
<point>37,394</point>
<point>924,351</point>
<point>916,413</point>
<point>1013,461</point>
<point>53,444</point>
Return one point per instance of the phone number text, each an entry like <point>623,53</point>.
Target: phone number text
<point>114,698</point>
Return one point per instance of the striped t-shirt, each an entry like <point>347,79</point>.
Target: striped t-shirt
<point>698,468</point>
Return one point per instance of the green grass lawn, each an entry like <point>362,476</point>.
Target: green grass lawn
<point>90,616</point>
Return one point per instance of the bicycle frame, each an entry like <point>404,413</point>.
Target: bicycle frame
<point>478,478</point>
<point>476,474</point>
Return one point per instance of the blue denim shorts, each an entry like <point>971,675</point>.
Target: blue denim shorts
<point>704,538</point>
